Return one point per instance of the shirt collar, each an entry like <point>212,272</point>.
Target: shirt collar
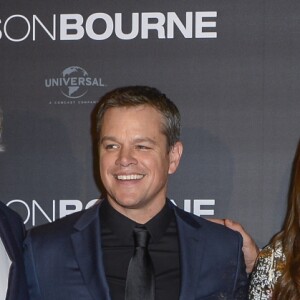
<point>122,226</point>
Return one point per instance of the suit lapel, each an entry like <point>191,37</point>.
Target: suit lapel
<point>16,282</point>
<point>192,243</point>
<point>8,237</point>
<point>87,247</point>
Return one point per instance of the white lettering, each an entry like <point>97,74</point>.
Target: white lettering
<point>67,207</point>
<point>66,80</point>
<point>74,81</point>
<point>134,25</point>
<point>158,26</point>
<point>200,24</point>
<point>198,203</point>
<point>34,205</point>
<point>15,39</point>
<point>101,26</point>
<point>197,206</point>
<point>109,24</point>
<point>91,203</point>
<point>187,205</point>
<point>23,203</point>
<point>186,30</point>
<point>36,19</point>
<point>75,27</point>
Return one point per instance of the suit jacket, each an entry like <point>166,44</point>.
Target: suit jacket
<point>12,234</point>
<point>64,259</point>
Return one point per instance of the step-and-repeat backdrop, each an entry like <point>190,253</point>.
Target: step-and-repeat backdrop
<point>232,67</point>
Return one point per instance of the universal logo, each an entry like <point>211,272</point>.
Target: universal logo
<point>74,82</point>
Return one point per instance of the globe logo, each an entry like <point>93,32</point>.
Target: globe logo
<point>74,81</point>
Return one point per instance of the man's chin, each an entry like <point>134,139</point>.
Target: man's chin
<point>126,203</point>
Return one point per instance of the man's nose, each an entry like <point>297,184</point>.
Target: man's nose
<point>126,157</point>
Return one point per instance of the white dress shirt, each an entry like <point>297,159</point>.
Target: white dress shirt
<point>5,263</point>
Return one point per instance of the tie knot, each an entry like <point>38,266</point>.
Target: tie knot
<point>141,236</point>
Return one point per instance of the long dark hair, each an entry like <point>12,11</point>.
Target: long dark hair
<point>288,285</point>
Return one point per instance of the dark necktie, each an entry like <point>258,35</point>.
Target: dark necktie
<point>140,275</point>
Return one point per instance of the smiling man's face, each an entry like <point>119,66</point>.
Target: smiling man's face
<point>135,162</point>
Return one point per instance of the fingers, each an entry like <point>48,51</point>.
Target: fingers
<point>234,226</point>
<point>218,221</point>
<point>230,224</point>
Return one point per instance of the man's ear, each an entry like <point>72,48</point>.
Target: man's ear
<point>175,155</point>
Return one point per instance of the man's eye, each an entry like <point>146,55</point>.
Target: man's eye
<point>111,147</point>
<point>142,147</point>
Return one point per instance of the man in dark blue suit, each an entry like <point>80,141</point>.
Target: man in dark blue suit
<point>12,273</point>
<point>86,255</point>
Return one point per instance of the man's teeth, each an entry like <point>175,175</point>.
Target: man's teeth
<point>129,177</point>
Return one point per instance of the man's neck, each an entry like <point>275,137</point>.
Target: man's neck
<point>139,215</point>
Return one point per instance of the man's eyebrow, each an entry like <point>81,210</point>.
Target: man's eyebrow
<point>135,140</point>
<point>108,138</point>
<point>143,140</point>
